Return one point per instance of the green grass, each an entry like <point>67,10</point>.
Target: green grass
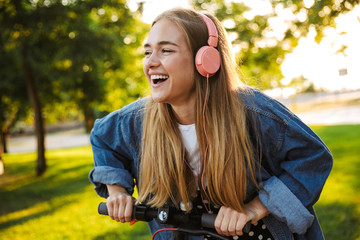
<point>339,206</point>
<point>59,205</point>
<point>63,205</point>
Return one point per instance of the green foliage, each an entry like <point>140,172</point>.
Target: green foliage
<point>63,205</point>
<point>302,85</point>
<point>13,97</point>
<point>79,51</point>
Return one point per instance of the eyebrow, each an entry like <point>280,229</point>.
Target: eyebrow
<point>162,43</point>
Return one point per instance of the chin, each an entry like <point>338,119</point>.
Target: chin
<point>157,99</point>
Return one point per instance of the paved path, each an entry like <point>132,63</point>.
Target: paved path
<point>343,115</point>
<point>65,139</point>
<point>74,138</point>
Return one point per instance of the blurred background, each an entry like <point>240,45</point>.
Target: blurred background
<point>65,63</point>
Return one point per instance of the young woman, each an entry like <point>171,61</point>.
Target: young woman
<point>203,135</point>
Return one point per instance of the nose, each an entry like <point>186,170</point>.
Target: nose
<point>152,61</point>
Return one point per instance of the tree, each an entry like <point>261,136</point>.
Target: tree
<point>13,98</point>
<point>97,42</point>
<point>260,49</point>
<point>22,22</point>
<point>64,50</point>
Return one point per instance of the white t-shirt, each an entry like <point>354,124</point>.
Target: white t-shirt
<point>189,136</point>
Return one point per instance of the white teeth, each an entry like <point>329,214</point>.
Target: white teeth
<point>155,77</point>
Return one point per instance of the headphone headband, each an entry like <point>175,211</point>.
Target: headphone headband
<point>213,34</point>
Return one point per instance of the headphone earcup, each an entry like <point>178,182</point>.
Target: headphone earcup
<point>207,61</point>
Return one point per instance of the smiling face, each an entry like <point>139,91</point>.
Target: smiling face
<point>169,65</point>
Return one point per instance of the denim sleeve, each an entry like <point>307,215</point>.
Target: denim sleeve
<point>112,158</point>
<point>300,164</point>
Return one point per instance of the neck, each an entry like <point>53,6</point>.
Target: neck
<point>185,114</point>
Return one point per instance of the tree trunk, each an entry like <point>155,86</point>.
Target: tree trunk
<point>36,104</point>
<point>2,136</point>
<point>2,140</point>
<point>3,148</point>
<point>89,118</point>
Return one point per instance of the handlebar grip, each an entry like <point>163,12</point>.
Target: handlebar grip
<point>102,209</point>
<point>247,227</point>
<point>208,221</point>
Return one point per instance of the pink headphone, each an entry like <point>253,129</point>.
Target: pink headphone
<point>207,59</point>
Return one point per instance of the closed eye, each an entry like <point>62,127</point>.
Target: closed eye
<point>147,53</point>
<point>167,50</point>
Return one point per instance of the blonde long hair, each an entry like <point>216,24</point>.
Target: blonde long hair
<point>230,158</point>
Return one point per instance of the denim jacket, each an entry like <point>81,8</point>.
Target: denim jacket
<point>295,163</point>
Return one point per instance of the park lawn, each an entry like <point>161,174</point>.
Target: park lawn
<point>63,205</point>
<point>339,206</point>
<point>59,205</point>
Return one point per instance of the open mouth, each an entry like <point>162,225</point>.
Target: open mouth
<point>158,78</point>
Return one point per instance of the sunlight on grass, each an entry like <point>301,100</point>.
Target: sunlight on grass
<point>24,213</point>
<point>59,205</point>
<point>339,206</point>
<point>70,217</point>
<point>63,205</point>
